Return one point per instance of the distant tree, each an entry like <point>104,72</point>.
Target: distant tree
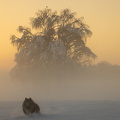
<point>104,64</point>
<point>60,39</point>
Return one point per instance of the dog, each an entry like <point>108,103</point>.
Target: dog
<point>30,107</point>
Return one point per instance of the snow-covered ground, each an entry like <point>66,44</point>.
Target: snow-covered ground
<point>64,110</point>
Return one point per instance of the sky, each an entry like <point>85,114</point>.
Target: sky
<point>103,17</point>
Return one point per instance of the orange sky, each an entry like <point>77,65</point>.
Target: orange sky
<point>103,17</point>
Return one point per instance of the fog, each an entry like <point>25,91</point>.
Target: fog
<point>93,84</point>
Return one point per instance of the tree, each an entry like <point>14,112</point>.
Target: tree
<point>60,40</point>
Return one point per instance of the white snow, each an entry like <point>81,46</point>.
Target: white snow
<point>63,110</point>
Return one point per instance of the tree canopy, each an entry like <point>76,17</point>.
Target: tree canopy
<point>60,40</point>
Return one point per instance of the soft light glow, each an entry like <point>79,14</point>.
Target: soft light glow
<point>103,17</point>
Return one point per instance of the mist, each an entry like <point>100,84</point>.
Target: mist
<point>98,82</point>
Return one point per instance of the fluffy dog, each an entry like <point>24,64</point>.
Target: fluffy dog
<point>30,107</point>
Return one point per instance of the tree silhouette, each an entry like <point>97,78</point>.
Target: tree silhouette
<point>60,40</point>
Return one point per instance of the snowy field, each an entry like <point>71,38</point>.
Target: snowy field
<point>64,110</point>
